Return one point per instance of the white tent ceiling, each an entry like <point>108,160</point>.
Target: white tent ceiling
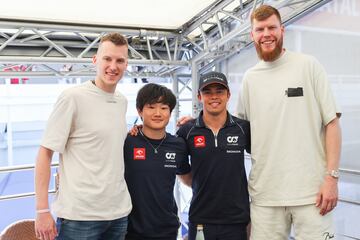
<point>163,14</point>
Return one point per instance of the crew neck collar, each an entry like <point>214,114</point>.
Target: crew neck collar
<point>281,59</point>
<point>92,85</point>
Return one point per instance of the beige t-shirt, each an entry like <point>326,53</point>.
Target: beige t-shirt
<point>88,128</point>
<point>287,132</point>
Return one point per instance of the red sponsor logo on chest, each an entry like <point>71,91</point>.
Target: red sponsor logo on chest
<point>139,154</point>
<point>199,141</point>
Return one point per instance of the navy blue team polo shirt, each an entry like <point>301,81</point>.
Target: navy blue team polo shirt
<point>219,183</point>
<point>150,179</point>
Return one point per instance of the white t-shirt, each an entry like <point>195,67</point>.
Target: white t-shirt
<point>88,128</point>
<point>287,128</point>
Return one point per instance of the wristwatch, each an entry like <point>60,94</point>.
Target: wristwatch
<point>333,173</point>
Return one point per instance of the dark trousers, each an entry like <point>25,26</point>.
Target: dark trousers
<point>142,238</point>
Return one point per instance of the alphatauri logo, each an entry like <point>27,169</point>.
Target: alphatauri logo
<point>232,139</point>
<point>139,154</point>
<point>170,156</point>
<point>199,141</point>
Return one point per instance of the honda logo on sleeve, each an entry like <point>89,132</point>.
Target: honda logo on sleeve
<point>139,154</point>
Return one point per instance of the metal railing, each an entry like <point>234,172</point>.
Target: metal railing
<point>350,171</point>
<point>19,168</point>
<point>56,164</point>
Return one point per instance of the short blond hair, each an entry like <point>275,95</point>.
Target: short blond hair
<point>115,38</point>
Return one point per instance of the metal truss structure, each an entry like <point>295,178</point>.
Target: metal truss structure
<point>44,49</point>
<point>223,30</point>
<point>49,47</point>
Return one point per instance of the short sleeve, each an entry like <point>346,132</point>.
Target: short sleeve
<point>324,96</point>
<point>248,137</point>
<point>181,132</point>
<point>183,164</point>
<point>59,124</point>
<point>242,106</point>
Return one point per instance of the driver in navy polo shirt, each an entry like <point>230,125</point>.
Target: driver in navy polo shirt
<point>153,158</point>
<point>216,142</point>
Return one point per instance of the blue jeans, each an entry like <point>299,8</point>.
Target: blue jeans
<point>91,230</point>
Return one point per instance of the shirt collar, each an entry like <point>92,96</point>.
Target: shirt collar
<point>200,121</point>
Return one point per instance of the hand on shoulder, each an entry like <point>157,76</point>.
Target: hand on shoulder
<point>183,120</point>
<point>135,129</point>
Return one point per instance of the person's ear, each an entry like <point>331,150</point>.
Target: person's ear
<point>252,35</point>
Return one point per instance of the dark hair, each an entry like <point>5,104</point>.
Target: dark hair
<point>115,38</point>
<point>264,12</point>
<point>154,93</point>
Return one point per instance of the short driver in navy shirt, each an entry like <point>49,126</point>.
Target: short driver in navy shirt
<point>216,142</point>
<point>153,158</point>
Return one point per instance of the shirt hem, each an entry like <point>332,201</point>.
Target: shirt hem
<point>284,203</point>
<point>88,218</point>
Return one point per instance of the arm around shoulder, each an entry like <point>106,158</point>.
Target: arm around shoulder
<point>183,120</point>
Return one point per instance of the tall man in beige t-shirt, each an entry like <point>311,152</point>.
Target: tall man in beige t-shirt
<point>295,138</point>
<point>88,128</point>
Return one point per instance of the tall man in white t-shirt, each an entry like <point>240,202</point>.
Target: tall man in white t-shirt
<point>295,138</point>
<point>88,128</point>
